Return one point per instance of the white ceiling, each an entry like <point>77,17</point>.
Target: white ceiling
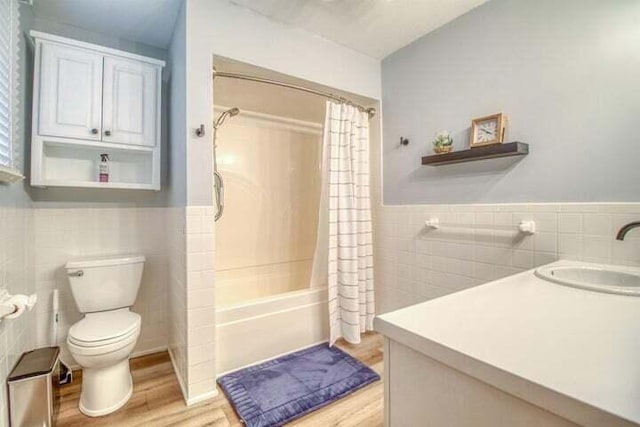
<point>145,21</point>
<point>373,27</point>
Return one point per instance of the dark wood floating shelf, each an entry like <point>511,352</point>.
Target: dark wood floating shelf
<point>494,151</point>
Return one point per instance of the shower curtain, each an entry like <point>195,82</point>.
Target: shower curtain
<point>344,250</point>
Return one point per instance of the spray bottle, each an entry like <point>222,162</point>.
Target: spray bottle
<point>104,167</point>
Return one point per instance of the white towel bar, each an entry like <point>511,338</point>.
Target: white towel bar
<point>525,227</point>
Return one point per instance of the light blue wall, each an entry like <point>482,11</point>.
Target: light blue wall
<point>177,99</point>
<point>46,24</point>
<point>567,73</point>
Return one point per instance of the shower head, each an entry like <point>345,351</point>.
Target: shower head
<point>229,113</point>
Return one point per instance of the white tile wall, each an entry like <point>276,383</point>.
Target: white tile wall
<point>176,235</point>
<point>62,234</point>
<point>176,298</point>
<point>478,243</point>
<point>200,250</point>
<point>16,335</point>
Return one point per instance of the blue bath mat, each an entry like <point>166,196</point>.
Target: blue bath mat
<point>276,392</point>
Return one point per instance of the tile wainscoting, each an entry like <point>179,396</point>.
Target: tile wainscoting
<point>16,335</point>
<point>480,243</point>
<point>62,234</point>
<point>176,297</point>
<point>476,244</point>
<point>177,293</point>
<point>192,300</point>
<point>200,307</point>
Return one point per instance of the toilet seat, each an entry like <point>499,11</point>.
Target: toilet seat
<point>124,339</point>
<point>81,350</point>
<point>104,329</point>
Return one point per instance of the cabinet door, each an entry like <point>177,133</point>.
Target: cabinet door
<point>130,104</point>
<point>70,102</point>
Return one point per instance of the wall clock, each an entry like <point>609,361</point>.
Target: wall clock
<point>488,130</point>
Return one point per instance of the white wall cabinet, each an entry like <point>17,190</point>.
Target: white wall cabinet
<point>89,100</point>
<point>70,92</point>
<point>129,101</point>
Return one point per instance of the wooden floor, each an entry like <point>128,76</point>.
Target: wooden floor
<point>157,400</point>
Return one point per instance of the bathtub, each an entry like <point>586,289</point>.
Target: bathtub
<point>263,328</point>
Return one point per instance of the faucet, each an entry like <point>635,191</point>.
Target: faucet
<point>626,228</point>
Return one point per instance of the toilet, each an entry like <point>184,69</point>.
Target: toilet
<point>104,288</point>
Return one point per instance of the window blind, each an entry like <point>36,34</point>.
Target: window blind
<point>9,33</point>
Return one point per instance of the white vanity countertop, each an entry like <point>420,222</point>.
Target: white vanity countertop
<point>573,352</point>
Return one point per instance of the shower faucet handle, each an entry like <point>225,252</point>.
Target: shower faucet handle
<point>200,131</point>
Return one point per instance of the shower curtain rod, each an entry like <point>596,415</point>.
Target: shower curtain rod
<point>370,111</point>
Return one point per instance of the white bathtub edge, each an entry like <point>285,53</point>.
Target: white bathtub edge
<point>262,316</point>
<point>257,307</point>
<point>301,318</point>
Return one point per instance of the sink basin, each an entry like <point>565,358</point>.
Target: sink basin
<point>594,277</point>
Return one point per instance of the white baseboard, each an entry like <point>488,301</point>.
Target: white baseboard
<point>176,371</point>
<point>75,367</point>
<point>188,401</point>
<point>202,397</point>
<point>149,351</point>
<point>185,396</point>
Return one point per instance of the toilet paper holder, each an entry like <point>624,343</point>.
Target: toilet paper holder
<point>12,306</point>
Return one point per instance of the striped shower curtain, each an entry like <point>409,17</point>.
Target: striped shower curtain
<point>345,222</point>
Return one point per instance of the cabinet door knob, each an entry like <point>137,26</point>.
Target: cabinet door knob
<point>94,131</point>
<point>107,132</point>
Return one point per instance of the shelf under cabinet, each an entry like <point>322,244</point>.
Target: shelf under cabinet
<point>76,163</point>
<point>95,184</point>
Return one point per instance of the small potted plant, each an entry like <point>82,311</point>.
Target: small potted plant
<point>443,143</point>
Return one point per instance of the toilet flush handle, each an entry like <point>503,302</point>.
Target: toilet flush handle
<point>78,273</point>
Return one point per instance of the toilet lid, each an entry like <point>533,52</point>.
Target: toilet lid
<point>104,326</point>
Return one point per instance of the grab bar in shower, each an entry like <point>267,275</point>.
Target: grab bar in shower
<point>219,186</point>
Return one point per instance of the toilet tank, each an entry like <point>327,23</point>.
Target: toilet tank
<point>105,283</point>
